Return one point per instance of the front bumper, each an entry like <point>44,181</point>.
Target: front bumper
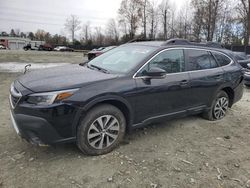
<point>35,130</point>
<point>44,125</point>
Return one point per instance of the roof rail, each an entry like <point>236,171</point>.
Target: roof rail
<point>179,41</point>
<point>139,40</point>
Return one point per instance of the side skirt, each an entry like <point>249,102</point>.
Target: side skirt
<point>169,116</point>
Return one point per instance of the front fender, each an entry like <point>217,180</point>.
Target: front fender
<point>102,99</point>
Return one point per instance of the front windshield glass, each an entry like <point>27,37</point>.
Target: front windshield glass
<point>122,59</point>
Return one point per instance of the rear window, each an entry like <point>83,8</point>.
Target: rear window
<point>221,59</point>
<point>200,60</point>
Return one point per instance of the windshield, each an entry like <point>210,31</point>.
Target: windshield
<point>122,59</point>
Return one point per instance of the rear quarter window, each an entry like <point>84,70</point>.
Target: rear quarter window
<point>221,59</point>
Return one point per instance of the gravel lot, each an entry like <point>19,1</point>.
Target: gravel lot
<point>40,56</point>
<point>187,152</point>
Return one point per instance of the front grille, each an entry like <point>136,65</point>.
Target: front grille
<point>15,96</point>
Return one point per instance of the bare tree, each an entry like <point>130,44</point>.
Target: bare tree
<point>164,10</point>
<point>183,22</point>
<point>112,32</point>
<point>123,26</point>
<point>130,12</point>
<point>152,19</point>
<point>244,12</point>
<point>12,33</point>
<point>40,34</point>
<point>31,35</point>
<point>207,13</point>
<point>173,31</point>
<point>17,31</point>
<point>197,19</point>
<point>72,25</point>
<point>145,5</point>
<point>187,22</point>
<point>98,36</point>
<point>23,35</point>
<point>86,32</point>
<point>211,17</point>
<point>225,23</point>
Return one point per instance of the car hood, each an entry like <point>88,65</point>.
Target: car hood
<point>62,77</point>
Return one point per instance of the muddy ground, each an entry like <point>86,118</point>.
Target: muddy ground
<point>187,152</point>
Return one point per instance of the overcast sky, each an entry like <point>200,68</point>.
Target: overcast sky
<point>50,15</point>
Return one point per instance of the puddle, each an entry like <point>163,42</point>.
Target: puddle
<point>19,67</point>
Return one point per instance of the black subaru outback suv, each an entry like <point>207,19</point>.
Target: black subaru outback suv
<point>93,104</point>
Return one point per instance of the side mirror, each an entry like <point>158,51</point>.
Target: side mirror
<point>155,72</point>
<point>248,65</point>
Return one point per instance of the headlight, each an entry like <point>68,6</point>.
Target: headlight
<point>49,97</point>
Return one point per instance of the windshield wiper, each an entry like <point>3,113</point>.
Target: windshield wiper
<point>98,68</point>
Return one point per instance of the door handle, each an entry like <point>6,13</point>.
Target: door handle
<point>218,77</point>
<point>184,82</point>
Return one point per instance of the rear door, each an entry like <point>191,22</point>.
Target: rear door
<point>206,76</point>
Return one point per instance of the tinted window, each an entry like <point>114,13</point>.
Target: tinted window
<point>171,61</point>
<point>200,60</point>
<point>221,59</point>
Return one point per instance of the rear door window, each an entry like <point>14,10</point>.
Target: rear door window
<point>199,60</point>
<point>221,59</point>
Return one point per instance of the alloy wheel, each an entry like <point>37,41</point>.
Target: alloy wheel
<point>220,107</point>
<point>103,132</point>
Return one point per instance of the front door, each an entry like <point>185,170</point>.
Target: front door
<point>165,95</point>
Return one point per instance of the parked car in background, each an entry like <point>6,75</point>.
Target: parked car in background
<point>57,48</point>
<point>96,52</point>
<point>244,61</point>
<point>247,76</point>
<point>29,47</point>
<point>45,47</point>
<point>2,47</point>
<point>63,49</point>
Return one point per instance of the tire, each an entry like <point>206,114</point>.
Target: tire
<point>92,139</point>
<point>219,107</point>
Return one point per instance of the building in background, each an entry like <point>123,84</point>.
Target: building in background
<point>17,43</point>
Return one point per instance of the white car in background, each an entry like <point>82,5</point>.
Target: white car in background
<point>63,49</point>
<point>2,47</point>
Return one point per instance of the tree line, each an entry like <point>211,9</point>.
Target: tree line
<point>223,21</point>
<point>40,35</point>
